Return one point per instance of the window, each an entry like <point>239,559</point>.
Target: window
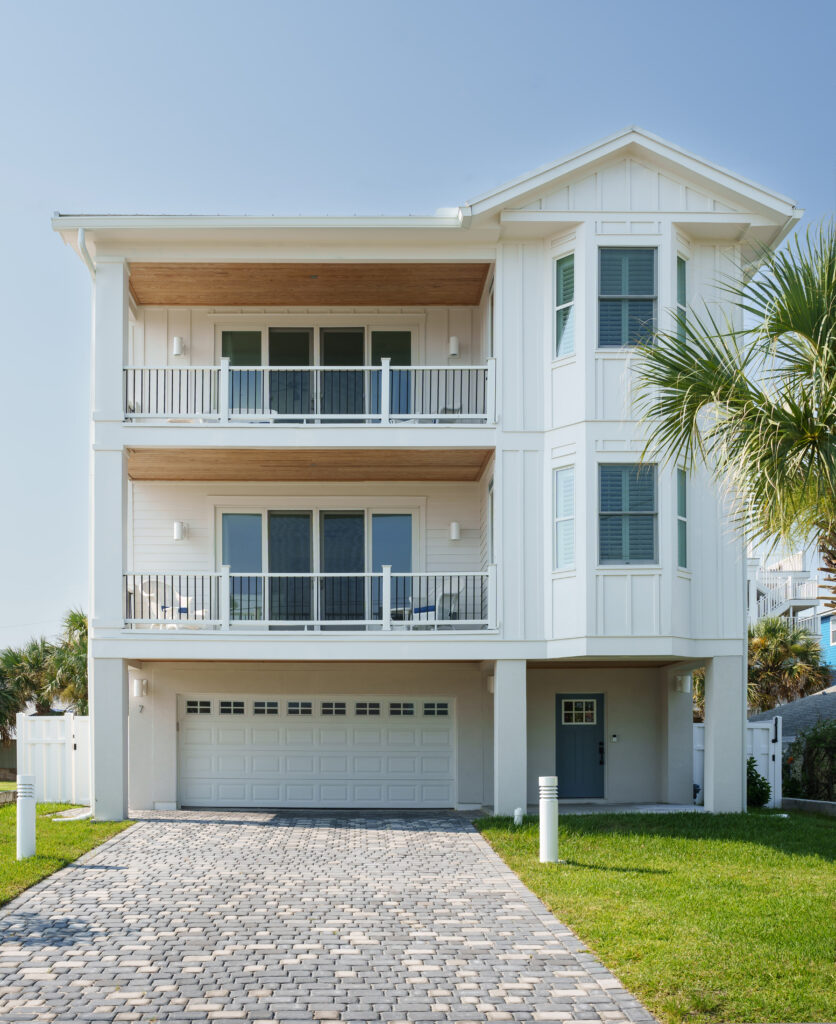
<point>627,514</point>
<point>681,297</point>
<point>564,306</point>
<point>231,707</point>
<point>367,707</point>
<point>333,707</point>
<point>299,707</point>
<point>438,709</point>
<point>399,708</point>
<point>579,712</point>
<point>564,518</point>
<point>198,707</point>
<point>833,630</point>
<point>265,707</point>
<point>627,297</point>
<point>681,520</point>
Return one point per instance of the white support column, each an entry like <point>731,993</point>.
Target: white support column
<point>109,738</point>
<point>110,338</point>
<point>510,748</point>
<point>725,734</point>
<point>108,537</point>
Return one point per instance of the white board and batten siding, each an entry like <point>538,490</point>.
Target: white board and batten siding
<point>316,751</point>
<point>56,750</point>
<point>763,742</point>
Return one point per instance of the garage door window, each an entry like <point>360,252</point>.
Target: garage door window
<point>232,707</point>
<point>265,707</point>
<point>198,707</point>
<point>333,707</point>
<point>299,707</point>
<point>436,708</point>
<point>367,707</point>
<point>401,708</point>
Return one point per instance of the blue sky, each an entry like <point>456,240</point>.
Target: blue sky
<point>331,107</point>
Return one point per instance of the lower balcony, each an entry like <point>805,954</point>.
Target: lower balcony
<point>311,602</point>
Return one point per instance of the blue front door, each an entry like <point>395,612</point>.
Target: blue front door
<point>580,745</point>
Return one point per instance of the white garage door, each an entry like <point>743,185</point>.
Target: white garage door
<point>361,751</point>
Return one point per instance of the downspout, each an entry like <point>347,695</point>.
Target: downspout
<point>85,254</point>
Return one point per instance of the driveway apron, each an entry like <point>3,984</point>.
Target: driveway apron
<point>287,917</point>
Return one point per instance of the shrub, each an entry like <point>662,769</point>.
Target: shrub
<point>758,789</point>
<point>809,769</point>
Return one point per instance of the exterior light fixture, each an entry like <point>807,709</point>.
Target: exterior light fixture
<point>455,530</point>
<point>140,687</point>
<point>453,345</point>
<point>179,530</point>
<point>177,345</point>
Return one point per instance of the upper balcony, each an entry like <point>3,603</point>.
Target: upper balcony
<point>298,395</point>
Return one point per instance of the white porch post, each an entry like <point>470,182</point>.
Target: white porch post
<point>510,749</point>
<point>109,738</point>
<point>110,338</point>
<point>725,734</point>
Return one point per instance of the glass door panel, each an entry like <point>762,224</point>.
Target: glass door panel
<point>397,347</point>
<point>290,550</point>
<point>243,348</point>
<point>241,551</point>
<point>290,390</point>
<point>343,551</point>
<point>392,545</point>
<point>342,391</point>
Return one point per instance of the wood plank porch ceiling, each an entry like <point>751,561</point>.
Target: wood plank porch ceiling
<point>308,284</point>
<point>326,464</point>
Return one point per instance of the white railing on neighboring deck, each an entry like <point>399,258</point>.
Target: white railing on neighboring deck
<point>782,589</point>
<point>288,602</point>
<point>316,394</point>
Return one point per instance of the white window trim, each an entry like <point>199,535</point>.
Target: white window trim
<point>365,505</point>
<point>412,322</point>
<point>562,519</point>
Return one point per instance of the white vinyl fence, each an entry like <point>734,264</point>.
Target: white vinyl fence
<point>763,741</point>
<point>56,750</point>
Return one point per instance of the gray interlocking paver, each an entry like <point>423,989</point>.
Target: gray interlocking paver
<point>308,917</point>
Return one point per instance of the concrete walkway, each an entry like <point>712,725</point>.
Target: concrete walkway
<point>234,916</point>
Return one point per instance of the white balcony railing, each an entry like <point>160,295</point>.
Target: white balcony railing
<point>303,602</point>
<point>317,394</point>
<point>783,589</point>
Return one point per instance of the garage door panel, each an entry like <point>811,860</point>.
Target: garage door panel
<point>250,759</point>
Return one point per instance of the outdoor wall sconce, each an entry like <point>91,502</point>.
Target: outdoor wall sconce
<point>453,345</point>
<point>455,531</point>
<point>682,684</point>
<point>140,687</point>
<point>179,529</point>
<point>177,345</point>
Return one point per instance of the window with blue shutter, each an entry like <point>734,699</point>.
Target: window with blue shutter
<point>564,306</point>
<point>627,514</point>
<point>564,518</point>
<point>626,297</point>
<point>681,520</point>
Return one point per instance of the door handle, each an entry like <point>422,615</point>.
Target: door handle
<point>600,752</point>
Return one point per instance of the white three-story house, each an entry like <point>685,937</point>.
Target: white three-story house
<point>370,524</point>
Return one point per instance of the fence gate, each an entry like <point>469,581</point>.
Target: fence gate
<point>763,742</point>
<point>56,750</point>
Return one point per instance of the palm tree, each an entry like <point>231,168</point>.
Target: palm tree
<point>69,663</point>
<point>754,396</point>
<point>785,663</point>
<point>28,671</point>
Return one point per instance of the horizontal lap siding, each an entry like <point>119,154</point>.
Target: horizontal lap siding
<point>156,506</point>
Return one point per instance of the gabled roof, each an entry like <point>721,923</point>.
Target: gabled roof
<point>799,715</point>
<point>630,141</point>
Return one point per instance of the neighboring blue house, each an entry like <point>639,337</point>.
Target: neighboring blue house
<point>828,639</point>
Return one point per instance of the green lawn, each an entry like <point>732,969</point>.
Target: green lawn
<point>6,786</point>
<point>704,917</point>
<point>58,843</point>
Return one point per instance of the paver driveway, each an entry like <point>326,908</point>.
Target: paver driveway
<point>296,917</point>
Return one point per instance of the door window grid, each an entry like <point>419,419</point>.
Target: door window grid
<point>265,707</point>
<point>579,712</point>
<point>333,707</point>
<point>299,707</point>
<point>367,707</point>
<point>198,707</point>
<point>231,707</point>
<point>401,708</point>
<point>438,709</point>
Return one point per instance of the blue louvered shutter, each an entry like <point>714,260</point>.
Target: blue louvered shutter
<point>627,297</point>
<point>565,306</point>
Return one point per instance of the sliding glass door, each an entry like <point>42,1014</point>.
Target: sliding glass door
<point>241,547</point>
<point>290,390</point>
<point>290,551</point>
<point>342,551</point>
<point>392,545</point>
<point>342,391</point>
<point>396,346</point>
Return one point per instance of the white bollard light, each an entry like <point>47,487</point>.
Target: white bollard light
<point>518,815</point>
<point>25,816</point>
<point>548,819</point>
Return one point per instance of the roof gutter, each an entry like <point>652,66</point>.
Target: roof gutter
<point>85,253</point>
